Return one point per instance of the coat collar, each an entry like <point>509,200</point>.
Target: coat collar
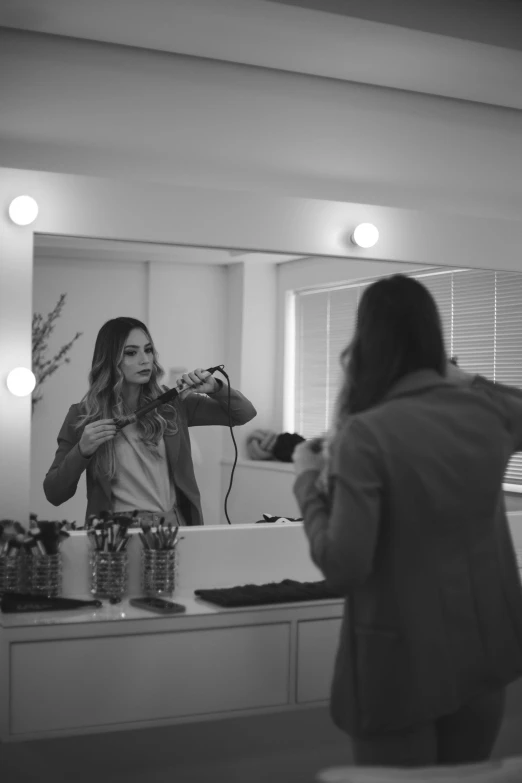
<point>416,382</point>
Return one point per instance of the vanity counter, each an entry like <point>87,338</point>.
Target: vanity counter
<point>93,670</point>
<point>119,667</point>
<point>123,612</point>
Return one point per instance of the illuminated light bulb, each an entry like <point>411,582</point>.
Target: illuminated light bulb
<point>23,210</point>
<point>21,382</point>
<point>365,235</point>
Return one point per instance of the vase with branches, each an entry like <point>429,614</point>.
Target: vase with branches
<point>43,368</point>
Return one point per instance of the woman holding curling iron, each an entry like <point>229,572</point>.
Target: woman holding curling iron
<point>404,513</point>
<point>148,464</point>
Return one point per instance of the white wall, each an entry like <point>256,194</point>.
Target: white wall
<point>259,339</point>
<point>234,319</point>
<point>259,488</point>
<point>184,307</point>
<point>16,284</point>
<point>102,110</point>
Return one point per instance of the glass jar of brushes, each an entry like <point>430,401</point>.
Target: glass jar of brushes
<point>12,570</point>
<point>43,560</point>
<point>109,574</point>
<point>43,574</point>
<point>109,559</point>
<point>13,541</point>
<point>159,559</point>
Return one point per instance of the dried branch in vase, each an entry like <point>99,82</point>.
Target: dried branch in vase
<point>42,367</point>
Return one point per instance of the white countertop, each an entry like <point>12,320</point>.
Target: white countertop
<point>125,612</point>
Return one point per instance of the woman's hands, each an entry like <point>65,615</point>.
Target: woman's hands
<point>456,375</point>
<point>94,434</point>
<point>308,456</point>
<point>198,380</point>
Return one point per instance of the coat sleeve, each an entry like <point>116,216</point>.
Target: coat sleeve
<point>68,465</point>
<point>343,531</point>
<point>509,399</point>
<point>203,409</point>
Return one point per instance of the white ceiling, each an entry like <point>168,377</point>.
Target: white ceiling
<point>144,110</point>
<point>493,22</point>
<point>79,107</point>
<point>288,37</point>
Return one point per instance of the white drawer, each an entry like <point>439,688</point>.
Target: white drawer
<point>317,642</point>
<point>63,684</point>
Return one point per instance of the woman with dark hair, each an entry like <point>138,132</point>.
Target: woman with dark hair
<point>146,466</point>
<point>405,515</point>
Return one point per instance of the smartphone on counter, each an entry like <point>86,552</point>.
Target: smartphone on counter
<point>158,605</point>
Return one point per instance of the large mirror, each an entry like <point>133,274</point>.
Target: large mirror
<point>195,303</point>
<point>207,306</point>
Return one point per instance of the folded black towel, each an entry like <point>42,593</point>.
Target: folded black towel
<point>283,592</point>
<point>26,602</point>
<point>285,445</point>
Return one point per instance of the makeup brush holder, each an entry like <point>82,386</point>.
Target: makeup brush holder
<point>12,574</point>
<point>109,574</point>
<point>158,571</point>
<point>43,574</point>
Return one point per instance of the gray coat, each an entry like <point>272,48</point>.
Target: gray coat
<point>415,534</point>
<point>194,410</point>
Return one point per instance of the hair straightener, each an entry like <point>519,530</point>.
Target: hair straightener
<point>171,394</point>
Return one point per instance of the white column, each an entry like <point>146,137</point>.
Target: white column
<point>251,342</point>
<point>16,275</point>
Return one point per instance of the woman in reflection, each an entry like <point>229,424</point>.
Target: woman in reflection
<point>411,528</point>
<point>147,465</point>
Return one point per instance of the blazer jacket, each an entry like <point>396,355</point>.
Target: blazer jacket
<point>414,533</point>
<point>194,410</point>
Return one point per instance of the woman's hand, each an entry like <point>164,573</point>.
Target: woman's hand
<point>456,375</point>
<point>94,434</point>
<point>199,381</point>
<point>306,456</point>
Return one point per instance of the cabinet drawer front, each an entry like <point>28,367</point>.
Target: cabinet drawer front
<point>94,682</point>
<point>317,646</point>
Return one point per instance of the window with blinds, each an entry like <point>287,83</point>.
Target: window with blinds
<point>482,322</point>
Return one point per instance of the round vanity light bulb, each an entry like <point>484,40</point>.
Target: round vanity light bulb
<point>365,235</point>
<point>23,210</point>
<point>21,382</point>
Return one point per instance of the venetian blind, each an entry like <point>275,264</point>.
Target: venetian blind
<point>482,322</point>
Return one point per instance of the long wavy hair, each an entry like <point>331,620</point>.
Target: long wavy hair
<point>104,398</point>
<point>398,330</point>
